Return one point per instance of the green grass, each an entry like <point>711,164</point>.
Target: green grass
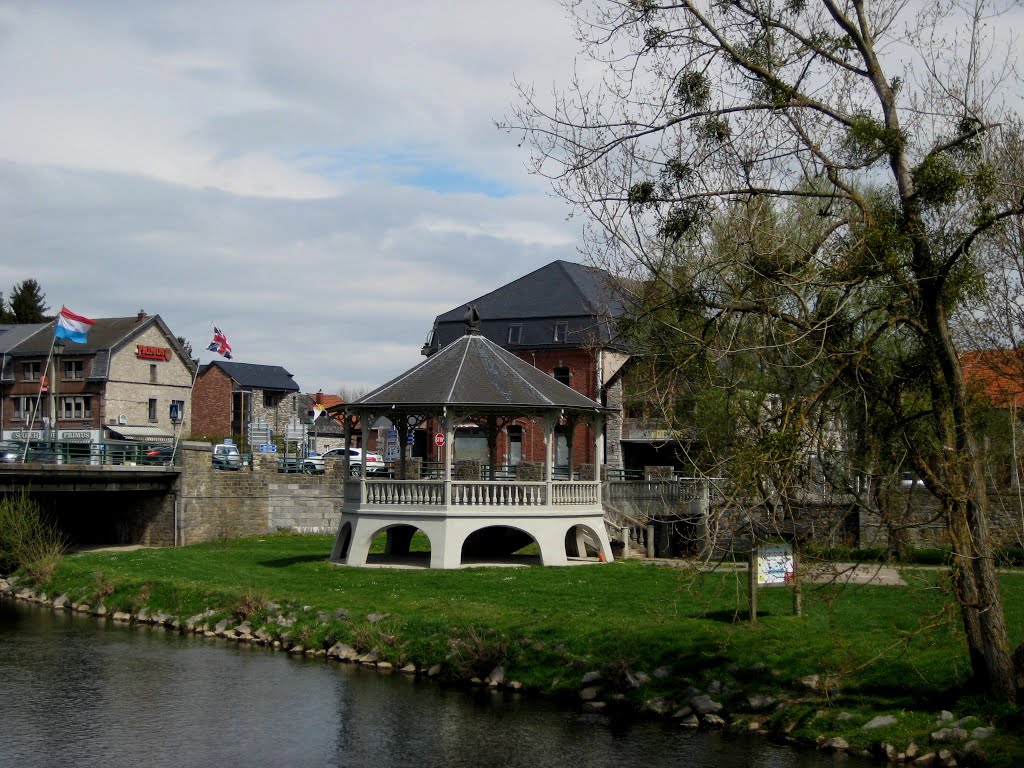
<point>886,649</point>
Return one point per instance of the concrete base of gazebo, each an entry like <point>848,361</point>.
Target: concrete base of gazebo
<point>475,534</point>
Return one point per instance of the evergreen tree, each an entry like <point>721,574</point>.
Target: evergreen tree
<point>28,302</point>
<point>5,313</point>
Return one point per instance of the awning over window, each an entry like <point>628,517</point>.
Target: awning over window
<point>140,433</point>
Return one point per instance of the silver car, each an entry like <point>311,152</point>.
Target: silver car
<point>227,457</point>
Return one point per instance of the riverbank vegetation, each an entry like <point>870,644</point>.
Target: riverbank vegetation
<point>654,633</point>
<point>27,540</point>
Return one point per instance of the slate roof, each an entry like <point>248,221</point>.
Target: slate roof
<point>583,297</point>
<point>254,376</point>
<point>474,371</point>
<point>106,335</point>
<point>12,335</point>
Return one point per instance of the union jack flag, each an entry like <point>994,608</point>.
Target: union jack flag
<point>220,343</point>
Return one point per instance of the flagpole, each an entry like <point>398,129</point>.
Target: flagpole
<point>39,394</point>
<point>174,446</point>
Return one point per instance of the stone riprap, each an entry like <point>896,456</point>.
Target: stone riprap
<point>722,705</point>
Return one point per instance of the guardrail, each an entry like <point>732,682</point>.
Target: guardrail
<point>103,453</point>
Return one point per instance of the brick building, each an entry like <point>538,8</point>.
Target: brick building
<point>560,319</point>
<point>130,380</point>
<point>229,396</point>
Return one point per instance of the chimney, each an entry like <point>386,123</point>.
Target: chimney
<point>142,315</point>
<point>320,397</point>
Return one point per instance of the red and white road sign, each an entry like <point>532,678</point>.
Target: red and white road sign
<point>439,439</point>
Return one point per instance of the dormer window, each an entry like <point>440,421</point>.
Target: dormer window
<point>515,333</point>
<point>561,330</point>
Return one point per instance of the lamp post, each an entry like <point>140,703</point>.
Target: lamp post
<point>58,351</point>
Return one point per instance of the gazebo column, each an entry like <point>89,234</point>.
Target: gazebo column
<point>597,427</point>
<point>447,423</point>
<point>549,440</point>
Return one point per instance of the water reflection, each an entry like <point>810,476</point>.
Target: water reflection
<point>76,690</point>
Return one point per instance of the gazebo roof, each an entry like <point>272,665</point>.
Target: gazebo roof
<point>475,372</point>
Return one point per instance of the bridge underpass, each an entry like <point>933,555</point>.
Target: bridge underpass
<point>100,505</point>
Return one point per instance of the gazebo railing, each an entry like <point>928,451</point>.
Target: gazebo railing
<point>482,493</point>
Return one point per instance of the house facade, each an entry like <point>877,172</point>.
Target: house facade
<point>561,319</point>
<point>130,380</point>
<point>229,397</point>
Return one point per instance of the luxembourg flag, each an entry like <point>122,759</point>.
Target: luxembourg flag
<point>72,327</point>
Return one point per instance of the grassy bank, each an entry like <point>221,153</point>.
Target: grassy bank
<point>874,650</point>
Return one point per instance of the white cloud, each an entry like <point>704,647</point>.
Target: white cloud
<point>321,180</point>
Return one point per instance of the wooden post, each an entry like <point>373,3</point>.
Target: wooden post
<point>752,583</point>
<point>797,597</point>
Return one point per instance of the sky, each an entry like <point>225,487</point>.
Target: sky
<point>319,179</point>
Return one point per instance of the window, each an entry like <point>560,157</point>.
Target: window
<point>563,375</point>
<point>515,333</point>
<point>32,371</point>
<point>561,330</point>
<point>76,407</point>
<point>152,409</point>
<point>22,405</point>
<point>74,370</point>
<point>152,373</point>
<point>271,399</point>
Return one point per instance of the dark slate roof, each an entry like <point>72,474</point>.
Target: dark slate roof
<point>12,335</point>
<point>583,297</point>
<point>106,335</point>
<point>474,371</point>
<point>253,376</point>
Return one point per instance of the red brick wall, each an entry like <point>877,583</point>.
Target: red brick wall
<point>211,403</point>
<point>583,378</point>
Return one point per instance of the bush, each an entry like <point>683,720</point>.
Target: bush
<point>27,540</point>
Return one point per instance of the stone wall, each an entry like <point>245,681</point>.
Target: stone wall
<point>217,504</point>
<point>915,515</point>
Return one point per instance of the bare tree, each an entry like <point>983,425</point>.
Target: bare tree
<point>865,126</point>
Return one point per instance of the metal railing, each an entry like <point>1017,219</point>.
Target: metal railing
<point>103,453</point>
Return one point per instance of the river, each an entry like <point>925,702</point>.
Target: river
<point>79,691</point>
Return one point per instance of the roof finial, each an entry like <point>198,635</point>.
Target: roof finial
<point>472,321</point>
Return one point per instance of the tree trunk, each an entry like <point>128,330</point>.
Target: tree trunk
<point>977,590</point>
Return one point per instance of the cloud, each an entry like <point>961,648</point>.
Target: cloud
<point>321,181</point>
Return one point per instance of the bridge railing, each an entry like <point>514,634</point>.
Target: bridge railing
<point>103,453</point>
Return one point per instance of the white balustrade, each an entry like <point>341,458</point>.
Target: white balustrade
<point>574,493</point>
<point>481,493</point>
<point>401,492</point>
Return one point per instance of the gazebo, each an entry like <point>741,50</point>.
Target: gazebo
<point>469,512</point>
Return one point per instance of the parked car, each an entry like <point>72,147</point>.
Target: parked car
<point>158,454</point>
<point>226,456</point>
<point>314,463</point>
<point>374,461</point>
<point>10,453</point>
<point>911,480</point>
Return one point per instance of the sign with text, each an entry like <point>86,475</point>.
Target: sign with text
<point>774,564</point>
<point>439,439</point>
<point>268,448</point>
<point>147,352</point>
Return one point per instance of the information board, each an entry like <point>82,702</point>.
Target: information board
<point>774,564</point>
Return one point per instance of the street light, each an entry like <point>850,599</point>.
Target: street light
<point>58,350</point>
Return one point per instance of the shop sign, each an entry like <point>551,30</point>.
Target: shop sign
<point>22,434</point>
<point>79,435</point>
<point>147,352</point>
